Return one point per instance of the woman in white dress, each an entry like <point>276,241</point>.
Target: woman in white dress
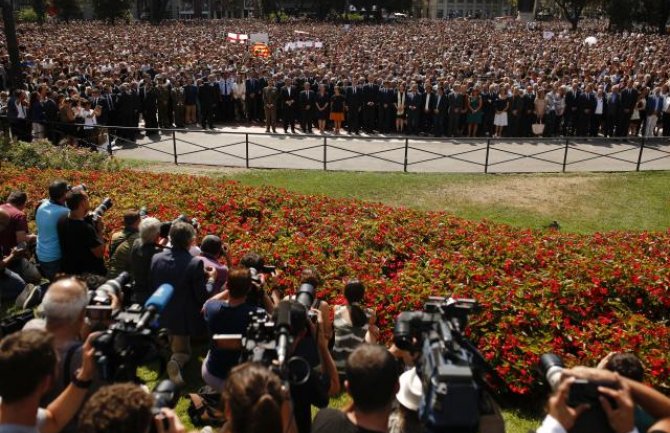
<point>501,106</point>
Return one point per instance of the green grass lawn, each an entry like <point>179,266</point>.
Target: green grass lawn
<point>583,203</point>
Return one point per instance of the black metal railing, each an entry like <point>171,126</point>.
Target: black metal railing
<point>414,153</point>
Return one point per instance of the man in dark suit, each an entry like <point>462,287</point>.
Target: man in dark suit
<point>270,104</point>
<point>528,113</point>
<point>253,93</point>
<point>369,109</point>
<point>386,99</point>
<point>413,103</point>
<point>613,113</point>
<point>571,109</point>
<point>289,104</point>
<point>488,108</point>
<point>629,97</point>
<point>208,95</point>
<point>149,100</point>
<point>307,102</point>
<point>51,115</point>
<point>456,102</point>
<point>586,105</point>
<point>354,101</point>
<point>440,112</point>
<point>181,316</point>
<point>428,103</point>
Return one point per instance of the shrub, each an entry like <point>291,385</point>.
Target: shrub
<point>27,15</point>
<point>42,154</point>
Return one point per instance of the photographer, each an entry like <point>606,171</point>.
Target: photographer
<point>124,408</point>
<point>181,317</point>
<point>142,252</point>
<point>16,235</point>
<point>122,243</point>
<point>226,317</point>
<point>617,402</point>
<point>255,402</point>
<point>310,344</point>
<point>31,359</point>
<point>211,251</point>
<point>81,238</point>
<point>11,283</point>
<point>372,382</point>
<point>258,295</point>
<point>48,214</point>
<point>311,276</point>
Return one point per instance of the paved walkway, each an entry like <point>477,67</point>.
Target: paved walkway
<point>230,146</point>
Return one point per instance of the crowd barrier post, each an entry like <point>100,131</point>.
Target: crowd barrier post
<point>325,153</point>
<point>565,154</point>
<point>246,141</point>
<point>174,146</point>
<point>406,153</point>
<point>639,157</point>
<point>486,161</point>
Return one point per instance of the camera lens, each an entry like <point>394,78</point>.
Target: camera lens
<point>551,367</point>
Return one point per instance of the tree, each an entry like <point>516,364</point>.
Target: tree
<point>621,13</point>
<point>572,10</point>
<point>67,9</point>
<point>14,72</point>
<point>157,10</point>
<point>111,10</point>
<point>656,13</point>
<point>40,8</point>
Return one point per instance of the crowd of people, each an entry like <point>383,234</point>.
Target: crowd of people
<point>438,78</point>
<point>57,383</point>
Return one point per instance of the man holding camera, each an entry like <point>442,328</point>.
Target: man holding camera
<point>16,235</point>
<point>122,243</point>
<point>31,359</point>
<point>187,274</point>
<point>11,283</point>
<point>81,237</point>
<point>125,408</point>
<point>372,383</point>
<point>48,214</point>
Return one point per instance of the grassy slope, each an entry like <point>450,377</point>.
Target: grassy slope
<point>582,203</point>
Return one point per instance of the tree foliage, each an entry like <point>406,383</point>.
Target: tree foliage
<point>572,10</point>
<point>40,8</point>
<point>67,9</point>
<point>656,13</point>
<point>157,10</point>
<point>111,10</point>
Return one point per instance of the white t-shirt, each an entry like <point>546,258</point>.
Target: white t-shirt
<point>14,428</point>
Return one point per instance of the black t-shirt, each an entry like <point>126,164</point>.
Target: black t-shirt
<point>312,393</point>
<point>77,238</point>
<point>335,421</point>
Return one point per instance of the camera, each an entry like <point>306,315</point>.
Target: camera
<point>133,339</point>
<point>167,225</point>
<point>102,208</point>
<point>582,391</point>
<point>15,322</point>
<point>100,300</point>
<point>451,369</point>
<point>305,296</point>
<point>268,340</point>
<point>166,395</point>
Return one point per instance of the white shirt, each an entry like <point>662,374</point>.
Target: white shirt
<point>599,105</point>
<point>20,110</point>
<point>428,95</point>
<point>551,425</point>
<point>239,91</point>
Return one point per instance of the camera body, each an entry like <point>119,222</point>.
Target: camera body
<point>100,300</point>
<point>103,207</point>
<point>450,367</point>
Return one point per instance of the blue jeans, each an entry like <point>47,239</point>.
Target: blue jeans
<point>50,269</point>
<point>11,284</point>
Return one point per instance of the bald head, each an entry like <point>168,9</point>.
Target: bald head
<point>65,302</point>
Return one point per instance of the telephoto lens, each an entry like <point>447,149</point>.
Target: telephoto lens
<point>551,367</point>
<point>104,207</point>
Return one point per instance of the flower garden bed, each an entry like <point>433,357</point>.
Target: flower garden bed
<point>578,296</point>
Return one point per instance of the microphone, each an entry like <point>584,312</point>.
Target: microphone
<point>155,305</point>
<point>283,330</point>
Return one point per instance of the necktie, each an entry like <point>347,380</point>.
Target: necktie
<point>109,101</point>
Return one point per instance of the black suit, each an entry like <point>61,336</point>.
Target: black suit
<point>628,100</point>
<point>413,110</point>
<point>571,111</point>
<point>51,115</point>
<point>353,102</point>
<point>440,114</point>
<point>612,115</point>
<point>429,99</point>
<point>370,96</point>
<point>385,102</point>
<point>307,106</point>
<point>289,105</point>
<point>586,105</point>
<point>208,95</point>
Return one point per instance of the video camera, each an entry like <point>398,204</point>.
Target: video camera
<point>15,322</point>
<point>133,339</point>
<point>269,342</point>
<point>451,369</point>
<point>166,395</point>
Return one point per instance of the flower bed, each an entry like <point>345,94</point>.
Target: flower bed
<point>579,296</point>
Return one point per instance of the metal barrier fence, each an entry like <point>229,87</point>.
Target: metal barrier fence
<point>384,153</point>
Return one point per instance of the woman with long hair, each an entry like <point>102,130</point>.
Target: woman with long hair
<point>353,324</point>
<point>254,401</point>
<point>337,109</point>
<point>400,108</point>
<point>322,104</point>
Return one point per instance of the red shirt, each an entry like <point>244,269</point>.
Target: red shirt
<point>17,223</point>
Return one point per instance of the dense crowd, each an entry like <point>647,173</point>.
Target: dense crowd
<point>58,375</point>
<point>442,78</point>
